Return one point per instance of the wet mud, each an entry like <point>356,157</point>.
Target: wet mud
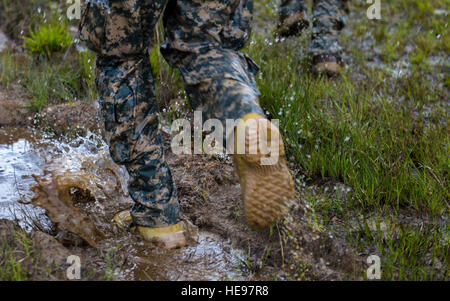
<point>81,189</point>
<point>72,190</point>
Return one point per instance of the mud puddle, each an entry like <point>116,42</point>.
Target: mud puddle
<point>81,189</point>
<point>209,258</point>
<point>19,160</point>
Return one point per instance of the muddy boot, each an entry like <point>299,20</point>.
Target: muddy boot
<point>169,237</point>
<point>291,23</point>
<point>266,182</point>
<point>326,64</point>
<point>123,219</point>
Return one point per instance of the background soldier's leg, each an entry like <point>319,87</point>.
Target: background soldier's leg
<point>327,23</point>
<point>126,94</point>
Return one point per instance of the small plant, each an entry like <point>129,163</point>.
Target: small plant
<point>48,39</point>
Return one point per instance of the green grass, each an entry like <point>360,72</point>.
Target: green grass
<point>9,70</point>
<point>339,130</point>
<point>386,137</point>
<point>11,269</point>
<point>20,259</point>
<point>48,39</point>
<point>65,78</point>
<point>51,69</point>
<point>14,249</point>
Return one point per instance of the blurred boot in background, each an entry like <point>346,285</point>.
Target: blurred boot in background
<point>327,22</point>
<point>292,18</point>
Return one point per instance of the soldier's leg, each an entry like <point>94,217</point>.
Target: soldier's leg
<point>266,187</point>
<point>121,37</point>
<point>204,39</point>
<point>224,97</point>
<point>292,18</point>
<point>328,21</point>
<point>127,102</point>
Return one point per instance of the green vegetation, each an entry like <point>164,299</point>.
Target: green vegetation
<point>48,39</point>
<point>65,77</point>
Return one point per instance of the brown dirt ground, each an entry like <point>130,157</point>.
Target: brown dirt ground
<point>12,108</point>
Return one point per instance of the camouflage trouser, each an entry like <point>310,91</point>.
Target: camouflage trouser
<point>219,80</point>
<point>328,21</point>
<point>223,96</point>
<point>125,86</point>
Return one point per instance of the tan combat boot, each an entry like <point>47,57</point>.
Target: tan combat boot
<point>326,64</point>
<point>266,189</point>
<point>169,237</point>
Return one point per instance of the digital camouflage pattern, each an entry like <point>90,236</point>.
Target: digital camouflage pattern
<point>328,20</point>
<point>288,7</point>
<point>203,39</point>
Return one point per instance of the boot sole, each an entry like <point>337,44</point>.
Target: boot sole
<point>266,189</point>
<point>267,194</point>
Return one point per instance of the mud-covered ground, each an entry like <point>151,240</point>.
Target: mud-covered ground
<point>81,189</point>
